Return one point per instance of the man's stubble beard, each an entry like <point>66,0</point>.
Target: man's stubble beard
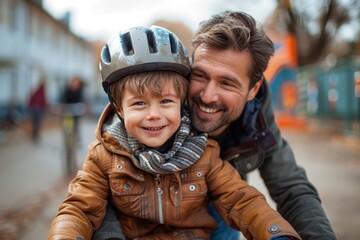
<point>207,125</point>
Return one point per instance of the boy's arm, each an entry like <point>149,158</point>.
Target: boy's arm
<point>242,206</point>
<point>84,207</point>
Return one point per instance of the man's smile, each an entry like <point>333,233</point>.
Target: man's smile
<point>207,109</point>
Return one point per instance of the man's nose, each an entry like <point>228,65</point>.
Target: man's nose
<point>209,93</point>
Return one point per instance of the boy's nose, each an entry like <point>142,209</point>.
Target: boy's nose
<point>153,113</point>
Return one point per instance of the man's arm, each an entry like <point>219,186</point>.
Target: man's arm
<point>297,199</point>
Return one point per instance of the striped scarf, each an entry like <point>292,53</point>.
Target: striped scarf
<point>186,148</point>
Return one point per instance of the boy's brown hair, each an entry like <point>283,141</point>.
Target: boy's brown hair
<point>152,82</point>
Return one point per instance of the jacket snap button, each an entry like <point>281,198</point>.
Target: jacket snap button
<point>127,186</point>
<point>119,167</point>
<point>198,174</point>
<point>274,228</point>
<point>192,188</point>
<point>248,165</point>
<point>184,175</point>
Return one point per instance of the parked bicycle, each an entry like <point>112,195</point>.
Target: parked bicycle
<point>70,114</point>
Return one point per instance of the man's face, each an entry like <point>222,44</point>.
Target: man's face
<point>219,88</point>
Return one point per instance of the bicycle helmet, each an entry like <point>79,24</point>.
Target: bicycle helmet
<point>142,49</point>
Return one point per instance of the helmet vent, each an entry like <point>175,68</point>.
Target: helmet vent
<point>152,42</point>
<point>105,54</point>
<point>173,44</point>
<point>125,40</point>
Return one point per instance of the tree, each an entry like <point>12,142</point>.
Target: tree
<point>315,24</point>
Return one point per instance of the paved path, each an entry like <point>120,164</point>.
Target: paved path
<point>332,164</point>
<point>32,183</point>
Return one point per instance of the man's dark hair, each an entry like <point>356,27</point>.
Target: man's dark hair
<point>240,32</point>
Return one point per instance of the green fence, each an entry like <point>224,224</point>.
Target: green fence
<point>331,93</point>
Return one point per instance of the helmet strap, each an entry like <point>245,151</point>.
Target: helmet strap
<point>111,100</point>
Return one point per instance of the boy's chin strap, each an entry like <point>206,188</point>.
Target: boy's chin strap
<point>106,87</point>
<point>113,105</point>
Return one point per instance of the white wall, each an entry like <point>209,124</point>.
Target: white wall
<point>34,44</point>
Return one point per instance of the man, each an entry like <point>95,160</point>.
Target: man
<point>230,100</point>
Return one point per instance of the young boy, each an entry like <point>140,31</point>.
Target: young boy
<point>156,171</point>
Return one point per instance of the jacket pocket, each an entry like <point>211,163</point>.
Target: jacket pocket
<point>125,179</point>
<point>127,193</point>
<point>122,184</point>
<point>193,193</point>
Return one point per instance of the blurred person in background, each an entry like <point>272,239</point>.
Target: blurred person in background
<point>9,116</point>
<point>73,92</point>
<point>230,100</point>
<point>37,106</point>
<point>73,102</point>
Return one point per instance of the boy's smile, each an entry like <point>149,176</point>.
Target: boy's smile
<point>153,130</point>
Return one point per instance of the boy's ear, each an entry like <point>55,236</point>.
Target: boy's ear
<point>121,114</point>
<point>118,110</point>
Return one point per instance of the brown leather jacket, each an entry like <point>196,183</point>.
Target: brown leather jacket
<point>170,206</point>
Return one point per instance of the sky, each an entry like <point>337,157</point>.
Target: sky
<point>99,19</point>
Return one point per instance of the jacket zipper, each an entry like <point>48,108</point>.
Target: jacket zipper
<point>176,196</point>
<point>160,200</point>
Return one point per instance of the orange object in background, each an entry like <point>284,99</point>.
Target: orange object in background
<point>289,96</point>
<point>285,56</point>
<point>290,121</point>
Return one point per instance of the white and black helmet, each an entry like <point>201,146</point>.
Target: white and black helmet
<point>141,49</point>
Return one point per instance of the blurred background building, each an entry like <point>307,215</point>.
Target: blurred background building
<point>35,45</point>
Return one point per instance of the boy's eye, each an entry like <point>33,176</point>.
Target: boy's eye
<point>166,101</point>
<point>139,103</point>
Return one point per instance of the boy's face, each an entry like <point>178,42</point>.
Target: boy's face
<point>151,120</point>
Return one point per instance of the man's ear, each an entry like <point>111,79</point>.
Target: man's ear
<point>254,90</point>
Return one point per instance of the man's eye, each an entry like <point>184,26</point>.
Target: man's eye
<point>227,84</point>
<point>197,76</point>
